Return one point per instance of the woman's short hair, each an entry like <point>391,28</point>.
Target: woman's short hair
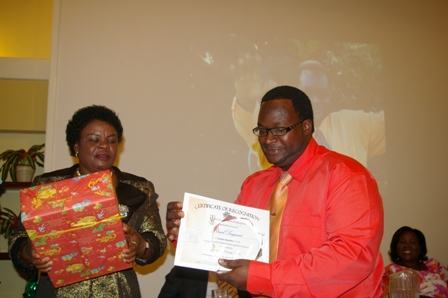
<point>393,252</point>
<point>82,117</point>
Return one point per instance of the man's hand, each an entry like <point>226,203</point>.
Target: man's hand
<point>237,277</point>
<point>173,215</point>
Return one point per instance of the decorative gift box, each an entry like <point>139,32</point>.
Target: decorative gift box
<point>76,223</point>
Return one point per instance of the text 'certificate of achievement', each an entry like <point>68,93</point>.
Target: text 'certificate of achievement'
<point>213,229</point>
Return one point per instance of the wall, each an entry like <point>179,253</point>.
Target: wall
<point>25,34</point>
<point>25,28</point>
<point>140,58</point>
<point>28,101</point>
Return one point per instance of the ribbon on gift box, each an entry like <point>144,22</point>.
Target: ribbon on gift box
<point>79,226</point>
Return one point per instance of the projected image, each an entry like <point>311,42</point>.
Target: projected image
<point>342,79</point>
<point>340,83</point>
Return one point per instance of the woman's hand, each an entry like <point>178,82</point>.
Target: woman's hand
<point>29,253</point>
<point>173,215</point>
<point>136,244</point>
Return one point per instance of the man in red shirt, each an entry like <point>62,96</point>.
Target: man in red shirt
<point>332,223</point>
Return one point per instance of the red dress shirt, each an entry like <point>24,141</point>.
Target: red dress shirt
<point>330,233</point>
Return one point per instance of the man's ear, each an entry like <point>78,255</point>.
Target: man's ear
<point>307,126</point>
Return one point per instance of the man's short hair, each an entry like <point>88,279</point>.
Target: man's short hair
<point>300,101</point>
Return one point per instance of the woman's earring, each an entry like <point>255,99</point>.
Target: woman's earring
<point>76,153</point>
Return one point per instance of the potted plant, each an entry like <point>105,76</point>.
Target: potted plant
<point>8,220</point>
<point>21,158</point>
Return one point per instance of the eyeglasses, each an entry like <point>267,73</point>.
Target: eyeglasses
<point>275,131</point>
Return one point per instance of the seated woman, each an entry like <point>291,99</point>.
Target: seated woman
<point>408,250</point>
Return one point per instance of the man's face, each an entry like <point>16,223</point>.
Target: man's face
<point>283,151</point>
<point>315,85</point>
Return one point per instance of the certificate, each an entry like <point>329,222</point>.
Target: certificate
<point>213,229</point>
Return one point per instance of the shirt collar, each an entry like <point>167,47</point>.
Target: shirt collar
<point>302,164</point>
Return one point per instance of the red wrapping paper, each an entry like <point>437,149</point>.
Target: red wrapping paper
<point>76,223</point>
